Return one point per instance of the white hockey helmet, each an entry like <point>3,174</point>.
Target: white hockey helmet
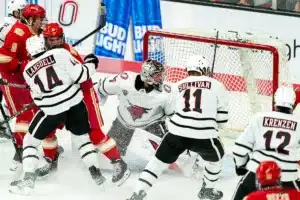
<point>35,45</point>
<point>198,63</point>
<point>285,97</point>
<point>15,5</point>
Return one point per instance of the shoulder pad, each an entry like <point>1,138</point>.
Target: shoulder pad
<point>19,32</point>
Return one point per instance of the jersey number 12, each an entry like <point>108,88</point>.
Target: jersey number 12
<point>197,99</point>
<point>279,135</point>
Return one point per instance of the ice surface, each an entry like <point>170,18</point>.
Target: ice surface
<point>72,181</point>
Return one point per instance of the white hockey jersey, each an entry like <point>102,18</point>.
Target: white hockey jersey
<point>201,107</point>
<point>137,108</point>
<point>5,28</point>
<point>270,136</point>
<point>54,80</point>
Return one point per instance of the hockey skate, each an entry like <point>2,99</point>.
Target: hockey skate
<point>96,175</point>
<point>49,168</point>
<point>25,185</point>
<point>121,172</point>
<point>140,196</point>
<point>209,193</point>
<point>16,162</point>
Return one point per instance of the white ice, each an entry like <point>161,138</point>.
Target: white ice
<point>72,180</point>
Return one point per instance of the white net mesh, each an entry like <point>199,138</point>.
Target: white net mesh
<point>247,69</point>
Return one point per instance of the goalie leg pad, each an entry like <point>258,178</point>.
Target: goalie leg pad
<point>122,136</point>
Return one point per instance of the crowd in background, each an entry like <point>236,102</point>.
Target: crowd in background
<point>286,5</point>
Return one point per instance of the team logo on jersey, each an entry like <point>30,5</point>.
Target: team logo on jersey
<point>125,92</point>
<point>137,112</point>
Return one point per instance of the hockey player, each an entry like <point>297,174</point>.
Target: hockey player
<point>54,38</point>
<point>60,100</point>
<point>200,104</point>
<point>142,104</point>
<point>270,136</point>
<point>12,54</point>
<point>268,181</point>
<point>14,9</point>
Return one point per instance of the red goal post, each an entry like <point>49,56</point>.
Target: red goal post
<point>250,67</point>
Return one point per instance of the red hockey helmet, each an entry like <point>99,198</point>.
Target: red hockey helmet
<point>33,10</point>
<point>268,173</point>
<point>53,30</point>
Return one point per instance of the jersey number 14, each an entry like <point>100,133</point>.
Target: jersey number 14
<point>52,80</point>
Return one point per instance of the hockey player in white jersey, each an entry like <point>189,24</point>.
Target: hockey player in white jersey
<point>142,103</point>
<point>273,136</point>
<point>14,9</point>
<point>201,108</point>
<point>54,77</point>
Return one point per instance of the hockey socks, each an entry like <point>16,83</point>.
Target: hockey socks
<point>50,147</point>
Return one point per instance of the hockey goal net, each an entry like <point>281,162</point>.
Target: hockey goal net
<point>250,67</point>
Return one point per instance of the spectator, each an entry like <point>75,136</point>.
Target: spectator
<point>289,5</point>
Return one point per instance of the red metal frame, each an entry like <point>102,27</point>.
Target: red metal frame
<point>269,48</point>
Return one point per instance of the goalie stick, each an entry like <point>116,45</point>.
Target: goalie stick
<point>215,53</point>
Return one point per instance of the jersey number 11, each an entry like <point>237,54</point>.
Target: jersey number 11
<point>197,98</point>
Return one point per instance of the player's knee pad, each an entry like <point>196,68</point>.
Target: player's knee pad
<point>97,136</point>
<point>86,149</point>
<point>30,152</point>
<point>212,172</point>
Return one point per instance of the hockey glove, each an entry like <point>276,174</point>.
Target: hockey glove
<point>241,170</point>
<point>91,58</point>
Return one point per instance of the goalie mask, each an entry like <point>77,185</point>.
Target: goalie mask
<point>153,73</point>
<point>198,63</point>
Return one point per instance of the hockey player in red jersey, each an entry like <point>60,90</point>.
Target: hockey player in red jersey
<point>268,182</point>
<point>12,53</point>
<point>54,38</point>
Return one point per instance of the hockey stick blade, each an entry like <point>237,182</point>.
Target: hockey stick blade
<point>101,25</point>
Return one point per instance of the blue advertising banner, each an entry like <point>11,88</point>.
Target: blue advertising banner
<point>145,16</point>
<point>111,40</point>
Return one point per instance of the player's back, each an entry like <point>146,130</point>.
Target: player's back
<point>276,137</point>
<point>53,89</point>
<point>198,102</point>
<point>275,194</point>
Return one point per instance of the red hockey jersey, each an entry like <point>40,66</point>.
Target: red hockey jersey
<point>13,51</point>
<point>274,194</point>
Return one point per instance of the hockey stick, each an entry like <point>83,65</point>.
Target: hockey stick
<point>101,25</point>
<point>3,82</point>
<point>215,53</point>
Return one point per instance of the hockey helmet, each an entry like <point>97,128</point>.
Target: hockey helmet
<point>285,97</point>
<point>198,63</point>
<point>15,5</point>
<point>152,72</point>
<point>268,173</point>
<point>54,35</point>
<point>35,45</point>
<point>33,10</point>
